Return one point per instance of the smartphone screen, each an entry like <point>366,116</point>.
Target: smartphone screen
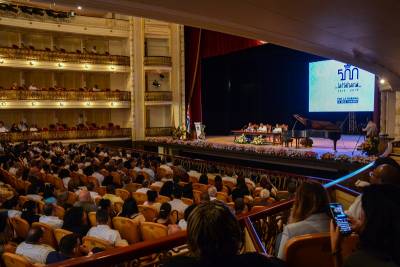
<point>340,218</point>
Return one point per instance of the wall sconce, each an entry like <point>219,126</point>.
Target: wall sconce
<point>31,63</point>
<point>87,104</point>
<point>3,104</point>
<point>61,104</point>
<point>1,61</point>
<point>33,104</point>
<point>113,104</point>
<point>86,66</point>
<point>156,84</point>
<point>112,68</point>
<point>60,65</point>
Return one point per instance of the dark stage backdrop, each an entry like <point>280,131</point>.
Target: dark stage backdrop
<point>265,84</point>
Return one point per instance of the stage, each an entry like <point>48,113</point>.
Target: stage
<point>345,145</point>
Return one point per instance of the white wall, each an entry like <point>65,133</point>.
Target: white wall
<point>158,116</point>
<point>157,47</point>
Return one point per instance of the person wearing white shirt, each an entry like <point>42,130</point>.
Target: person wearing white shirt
<point>167,169</point>
<point>104,232</point>
<point>49,218</point>
<point>212,192</point>
<point>3,129</point>
<point>176,203</point>
<point>148,170</point>
<point>144,188</point>
<point>32,248</point>
<point>262,128</point>
<point>97,174</point>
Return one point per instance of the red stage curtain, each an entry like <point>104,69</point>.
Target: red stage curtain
<point>201,44</point>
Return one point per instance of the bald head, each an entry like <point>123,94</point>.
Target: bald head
<point>385,174</point>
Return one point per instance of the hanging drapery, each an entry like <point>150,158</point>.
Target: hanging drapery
<point>200,44</point>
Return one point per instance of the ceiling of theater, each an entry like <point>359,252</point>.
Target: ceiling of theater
<point>362,32</point>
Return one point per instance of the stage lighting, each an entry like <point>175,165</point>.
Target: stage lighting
<point>382,81</point>
<point>79,7</point>
<point>156,83</point>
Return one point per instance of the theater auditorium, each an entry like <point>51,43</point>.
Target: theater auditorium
<point>199,133</point>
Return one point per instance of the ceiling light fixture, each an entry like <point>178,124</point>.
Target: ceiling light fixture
<point>79,7</point>
<point>382,81</point>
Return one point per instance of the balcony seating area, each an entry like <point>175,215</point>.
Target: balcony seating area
<point>157,61</point>
<point>158,96</point>
<point>60,131</point>
<point>60,55</point>
<point>32,92</point>
<point>150,193</point>
<point>33,12</point>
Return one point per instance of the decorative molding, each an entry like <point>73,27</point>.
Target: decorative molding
<point>52,104</point>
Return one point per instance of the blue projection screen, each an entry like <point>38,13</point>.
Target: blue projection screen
<point>335,86</point>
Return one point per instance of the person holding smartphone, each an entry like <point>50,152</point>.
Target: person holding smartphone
<point>378,229</point>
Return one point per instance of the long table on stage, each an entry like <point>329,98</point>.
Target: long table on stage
<point>271,138</point>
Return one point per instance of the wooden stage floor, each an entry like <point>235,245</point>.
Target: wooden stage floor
<point>345,145</point>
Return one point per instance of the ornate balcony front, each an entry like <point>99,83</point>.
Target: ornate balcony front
<point>158,96</point>
<point>59,56</point>
<point>159,131</point>
<point>125,133</point>
<point>65,95</point>
<point>158,61</point>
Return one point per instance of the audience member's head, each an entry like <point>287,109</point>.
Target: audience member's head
<point>213,232</point>
<point>35,235</point>
<point>48,209</point>
<point>165,210</point>
<point>84,196</point>
<point>69,245</point>
<point>385,174</point>
<point>218,183</point>
<point>74,217</point>
<point>311,198</point>
<point>110,189</point>
<point>167,188</point>
<point>151,196</point>
<point>177,192</point>
<point>102,217</point>
<point>204,197</point>
<point>129,208</point>
<point>381,221</point>
<point>240,206</point>
<point>265,194</point>
<point>212,191</point>
<point>203,179</point>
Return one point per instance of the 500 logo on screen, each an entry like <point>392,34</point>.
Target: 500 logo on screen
<point>347,76</point>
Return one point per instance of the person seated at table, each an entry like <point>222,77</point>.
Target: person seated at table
<point>262,128</point>
<point>33,128</point>
<point>250,127</point>
<point>277,129</point>
<point>23,126</point>
<point>32,87</point>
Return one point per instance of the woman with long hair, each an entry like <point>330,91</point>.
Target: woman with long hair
<point>130,210</point>
<point>309,213</point>
<point>75,220</point>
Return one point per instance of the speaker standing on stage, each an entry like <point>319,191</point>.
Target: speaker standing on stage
<point>371,129</point>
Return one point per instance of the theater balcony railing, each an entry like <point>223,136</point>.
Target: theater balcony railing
<point>158,96</point>
<point>261,228</point>
<point>157,61</point>
<point>64,95</point>
<point>158,131</point>
<point>65,135</point>
<point>59,56</point>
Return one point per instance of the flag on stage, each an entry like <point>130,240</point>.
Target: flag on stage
<point>188,119</point>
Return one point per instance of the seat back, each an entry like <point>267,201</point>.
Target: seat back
<point>14,260</point>
<point>91,242</point>
<point>93,180</point>
<point>92,218</point>
<point>60,233</point>
<point>20,226</point>
<point>59,211</point>
<point>197,196</point>
<point>48,234</point>
<point>200,187</point>
<point>22,200</point>
<point>155,187</point>
<point>129,229</point>
<point>311,250</point>
<point>59,184</point>
<point>116,178</point>
<point>187,201</point>
<point>161,199</point>
<point>139,197</point>
<point>222,196</point>
<point>122,193</point>
<point>152,231</point>
<point>229,184</point>
<point>148,212</point>
<point>72,198</point>
<point>132,187</point>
